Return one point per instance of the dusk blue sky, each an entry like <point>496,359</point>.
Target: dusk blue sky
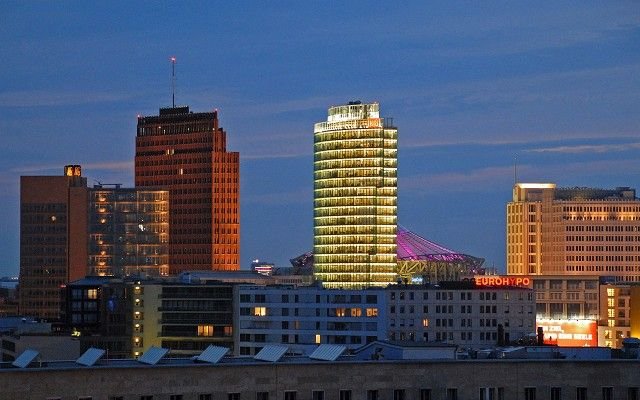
<point>472,87</point>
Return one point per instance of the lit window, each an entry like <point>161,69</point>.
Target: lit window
<point>317,339</point>
<point>425,322</point>
<point>340,312</point>
<point>205,330</point>
<point>611,292</point>
<point>372,312</point>
<point>259,311</point>
<point>92,294</point>
<point>356,312</point>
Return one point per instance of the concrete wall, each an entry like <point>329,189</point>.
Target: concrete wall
<point>385,376</point>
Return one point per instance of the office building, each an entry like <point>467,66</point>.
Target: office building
<point>128,231</point>
<point>574,231</point>
<point>619,313</point>
<point>355,197</point>
<point>185,153</point>
<point>98,312</point>
<point>461,313</point>
<point>53,237</point>
<point>304,317</point>
<point>183,317</point>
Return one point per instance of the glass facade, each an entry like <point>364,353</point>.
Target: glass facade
<point>355,197</point>
<point>128,232</point>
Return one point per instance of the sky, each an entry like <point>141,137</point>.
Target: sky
<point>475,88</point>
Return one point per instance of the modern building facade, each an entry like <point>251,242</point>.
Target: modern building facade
<point>53,237</point>
<point>355,197</point>
<point>455,313</point>
<point>304,317</point>
<point>185,153</point>
<point>563,297</point>
<point>619,313</point>
<point>574,231</point>
<point>460,313</point>
<point>185,318</point>
<point>128,231</point>
<point>98,312</point>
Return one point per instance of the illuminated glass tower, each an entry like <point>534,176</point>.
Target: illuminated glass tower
<point>355,197</point>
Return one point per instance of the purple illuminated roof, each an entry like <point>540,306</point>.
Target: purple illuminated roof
<point>411,247</point>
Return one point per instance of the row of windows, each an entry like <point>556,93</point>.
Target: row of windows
<point>212,167</point>
<point>177,128</point>
<point>596,238</point>
<point>484,393</point>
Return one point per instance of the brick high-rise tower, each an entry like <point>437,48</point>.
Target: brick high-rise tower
<point>53,239</point>
<point>185,153</point>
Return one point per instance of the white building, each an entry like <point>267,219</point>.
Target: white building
<point>460,313</point>
<point>304,317</point>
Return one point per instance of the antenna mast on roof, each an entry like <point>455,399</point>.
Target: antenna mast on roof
<point>173,81</point>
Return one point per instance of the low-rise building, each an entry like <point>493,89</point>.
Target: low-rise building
<point>183,317</point>
<point>304,317</point>
<point>98,312</point>
<point>345,378</point>
<point>463,313</point>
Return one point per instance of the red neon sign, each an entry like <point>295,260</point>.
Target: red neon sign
<point>491,280</point>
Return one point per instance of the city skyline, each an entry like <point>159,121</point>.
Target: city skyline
<point>474,89</point>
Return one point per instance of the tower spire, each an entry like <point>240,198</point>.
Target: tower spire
<point>173,81</point>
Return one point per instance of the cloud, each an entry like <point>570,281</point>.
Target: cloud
<point>270,156</point>
<point>107,165</point>
<point>49,98</point>
<point>581,149</point>
<point>459,181</point>
<point>501,178</point>
<point>301,196</point>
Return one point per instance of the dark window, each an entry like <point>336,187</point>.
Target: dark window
<point>487,393</point>
<point>317,395</point>
<point>262,395</point>
<point>146,397</point>
<point>290,395</point>
<point>607,393</point>
<point>233,396</point>
<point>372,395</point>
<point>529,393</point>
<point>633,393</point>
<point>556,393</point>
<point>581,393</point>
<point>205,397</point>
<point>398,394</point>
<point>175,397</point>
<point>452,394</point>
<point>425,394</point>
<point>345,395</point>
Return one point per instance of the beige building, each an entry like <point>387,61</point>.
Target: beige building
<point>619,314</point>
<point>573,231</point>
